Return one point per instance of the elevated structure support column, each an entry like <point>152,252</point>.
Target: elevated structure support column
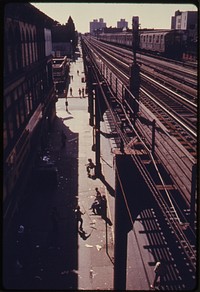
<point>135,70</point>
<point>90,97</point>
<point>132,195</point>
<point>122,227</point>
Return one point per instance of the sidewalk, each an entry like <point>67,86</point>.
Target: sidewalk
<point>95,255</point>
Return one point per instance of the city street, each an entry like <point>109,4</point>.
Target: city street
<point>50,250</point>
<point>100,147</point>
<point>65,258</point>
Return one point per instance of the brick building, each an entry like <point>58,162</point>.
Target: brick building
<point>29,98</point>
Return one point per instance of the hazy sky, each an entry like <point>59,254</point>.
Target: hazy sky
<point>150,15</point>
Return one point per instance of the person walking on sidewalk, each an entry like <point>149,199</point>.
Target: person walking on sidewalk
<point>89,166</point>
<point>79,218</point>
<point>79,91</point>
<point>70,90</point>
<point>66,105</point>
<point>98,194</point>
<point>96,205</point>
<point>83,92</point>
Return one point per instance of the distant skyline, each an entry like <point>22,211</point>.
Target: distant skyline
<point>150,15</point>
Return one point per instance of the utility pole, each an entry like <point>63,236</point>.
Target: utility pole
<point>135,69</point>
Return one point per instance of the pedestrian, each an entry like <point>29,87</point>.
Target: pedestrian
<point>98,194</point>
<point>95,207</point>
<point>78,214</point>
<point>70,91</point>
<point>77,72</point>
<point>83,92</point>
<point>89,166</point>
<point>79,91</point>
<point>63,138</point>
<point>160,271</point>
<point>72,77</point>
<point>66,104</point>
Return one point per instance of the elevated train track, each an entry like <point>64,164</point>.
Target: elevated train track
<point>186,78</point>
<point>173,195</point>
<point>184,110</point>
<point>118,89</point>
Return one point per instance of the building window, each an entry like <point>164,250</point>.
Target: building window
<point>30,52</point>
<point>157,39</point>
<point>31,100</point>
<point>17,117</point>
<point>21,110</point>
<point>26,54</point>
<point>23,48</point>
<point>5,135</point>
<point>10,65</point>
<point>15,109</point>
<point>7,101</point>
<point>20,105</point>
<point>27,104</point>
<point>10,123</point>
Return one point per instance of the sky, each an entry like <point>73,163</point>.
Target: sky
<point>151,15</point>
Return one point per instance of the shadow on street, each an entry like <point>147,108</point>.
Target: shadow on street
<point>45,254</point>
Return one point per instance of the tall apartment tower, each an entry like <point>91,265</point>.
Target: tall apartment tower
<point>96,25</point>
<point>122,23</point>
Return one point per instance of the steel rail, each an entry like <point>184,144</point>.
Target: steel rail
<point>194,134</point>
<point>189,130</point>
<point>155,166</point>
<point>124,76</point>
<point>192,104</point>
<point>145,59</point>
<point>126,66</point>
<point>157,194</point>
<point>175,227</point>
